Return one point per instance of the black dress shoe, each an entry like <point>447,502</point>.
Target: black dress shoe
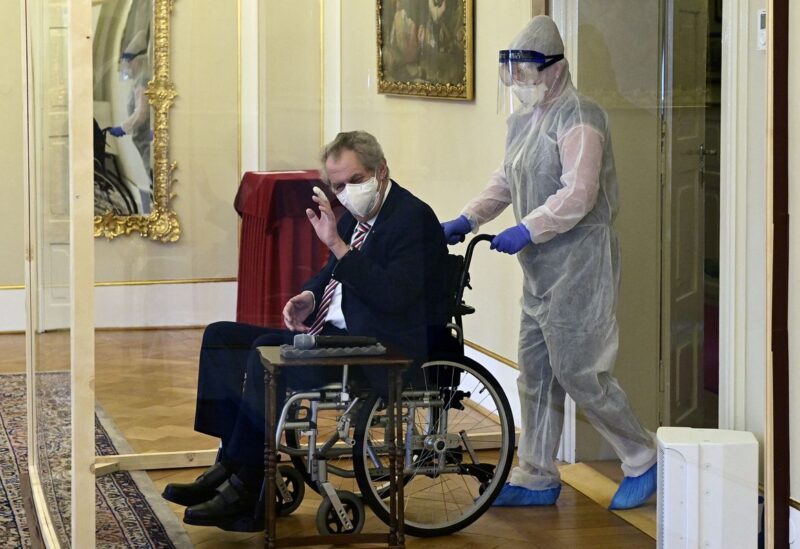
<point>202,489</point>
<point>233,508</point>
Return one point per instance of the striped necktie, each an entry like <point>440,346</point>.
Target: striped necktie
<point>358,239</point>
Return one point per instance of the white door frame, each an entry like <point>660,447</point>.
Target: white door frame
<point>733,336</point>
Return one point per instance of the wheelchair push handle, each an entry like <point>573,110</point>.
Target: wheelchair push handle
<point>471,247</point>
<point>468,259</point>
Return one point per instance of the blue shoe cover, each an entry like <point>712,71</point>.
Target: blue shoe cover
<point>517,496</point>
<point>634,491</point>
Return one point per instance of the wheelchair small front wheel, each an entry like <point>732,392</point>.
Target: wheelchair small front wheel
<point>296,487</point>
<point>328,521</point>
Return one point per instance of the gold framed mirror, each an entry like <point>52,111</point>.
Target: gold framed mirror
<point>133,94</point>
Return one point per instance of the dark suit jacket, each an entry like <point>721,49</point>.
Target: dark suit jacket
<point>393,288</point>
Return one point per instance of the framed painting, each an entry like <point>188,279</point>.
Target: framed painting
<point>425,48</point>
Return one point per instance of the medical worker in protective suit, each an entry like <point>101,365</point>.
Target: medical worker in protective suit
<point>558,174</point>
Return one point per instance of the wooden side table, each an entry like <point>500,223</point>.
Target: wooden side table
<point>394,363</point>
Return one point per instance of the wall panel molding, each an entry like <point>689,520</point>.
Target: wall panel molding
<point>158,305</point>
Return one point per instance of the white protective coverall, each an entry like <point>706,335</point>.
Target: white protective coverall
<point>558,173</point>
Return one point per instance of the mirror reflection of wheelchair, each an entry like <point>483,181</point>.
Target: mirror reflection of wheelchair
<point>458,433</point>
<point>113,192</point>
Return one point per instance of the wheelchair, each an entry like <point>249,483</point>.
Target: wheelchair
<point>458,437</point>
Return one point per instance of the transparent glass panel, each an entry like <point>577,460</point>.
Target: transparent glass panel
<point>154,298</point>
<point>51,279</point>
<point>678,75</point>
<point>618,67</point>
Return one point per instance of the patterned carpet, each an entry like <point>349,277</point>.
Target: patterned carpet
<point>130,512</point>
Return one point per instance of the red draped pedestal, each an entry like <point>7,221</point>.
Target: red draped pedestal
<point>279,250</point>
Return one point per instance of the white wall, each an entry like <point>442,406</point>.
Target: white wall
<point>293,84</point>
<point>12,262</point>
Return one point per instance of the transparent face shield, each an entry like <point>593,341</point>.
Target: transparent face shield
<point>520,84</point>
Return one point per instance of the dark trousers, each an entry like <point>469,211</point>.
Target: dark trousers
<point>230,388</point>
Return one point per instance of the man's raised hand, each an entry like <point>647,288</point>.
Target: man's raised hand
<point>298,309</point>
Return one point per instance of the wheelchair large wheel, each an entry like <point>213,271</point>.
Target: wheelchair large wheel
<point>457,456</point>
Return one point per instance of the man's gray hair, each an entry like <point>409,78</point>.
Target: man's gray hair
<point>366,147</point>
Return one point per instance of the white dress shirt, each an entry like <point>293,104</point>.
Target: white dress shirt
<point>335,315</point>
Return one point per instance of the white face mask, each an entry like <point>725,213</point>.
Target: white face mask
<point>529,95</point>
<point>359,198</point>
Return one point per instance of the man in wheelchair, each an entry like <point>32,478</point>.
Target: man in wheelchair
<point>384,278</point>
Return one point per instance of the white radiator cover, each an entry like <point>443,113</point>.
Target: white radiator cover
<point>707,488</point>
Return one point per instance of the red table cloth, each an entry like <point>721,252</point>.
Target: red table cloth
<point>278,250</point>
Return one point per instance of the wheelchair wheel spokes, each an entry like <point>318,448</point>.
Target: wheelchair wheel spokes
<point>457,456</point>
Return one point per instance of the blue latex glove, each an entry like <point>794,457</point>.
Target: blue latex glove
<point>455,230</point>
<point>116,131</point>
<point>511,240</point>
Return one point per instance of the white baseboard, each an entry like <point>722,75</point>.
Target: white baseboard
<point>794,527</point>
<point>173,305</point>
<point>141,306</point>
<point>12,305</point>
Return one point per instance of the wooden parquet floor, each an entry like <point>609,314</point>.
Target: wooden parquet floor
<point>146,379</point>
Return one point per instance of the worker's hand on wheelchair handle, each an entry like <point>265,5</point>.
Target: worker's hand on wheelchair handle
<point>511,240</point>
<point>456,229</point>
<point>116,131</point>
<point>325,226</point>
<point>298,309</point>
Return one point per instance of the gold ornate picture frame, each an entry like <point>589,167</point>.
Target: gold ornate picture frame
<point>160,223</point>
<point>425,48</point>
